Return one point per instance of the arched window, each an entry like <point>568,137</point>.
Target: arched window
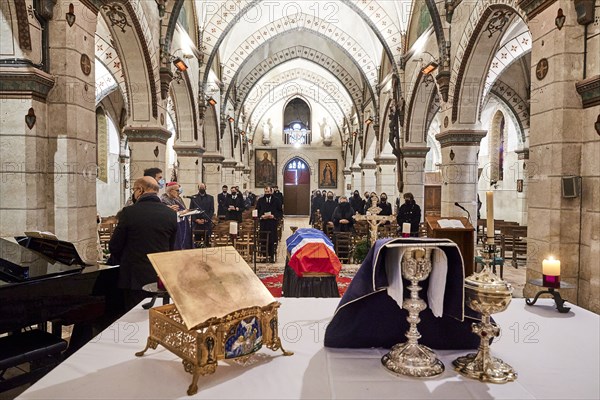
<point>296,117</point>
<point>497,144</point>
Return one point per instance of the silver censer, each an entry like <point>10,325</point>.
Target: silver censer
<point>412,358</point>
<point>487,294</point>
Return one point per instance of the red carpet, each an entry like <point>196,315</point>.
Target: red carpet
<point>274,282</point>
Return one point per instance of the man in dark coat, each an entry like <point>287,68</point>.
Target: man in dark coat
<point>357,203</point>
<point>278,194</point>
<point>234,206</point>
<point>148,226</point>
<point>327,211</point>
<point>410,212</point>
<point>316,204</point>
<point>222,202</point>
<point>269,213</point>
<point>342,216</point>
<point>203,221</point>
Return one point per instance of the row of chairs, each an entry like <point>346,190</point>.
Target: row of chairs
<point>511,237</point>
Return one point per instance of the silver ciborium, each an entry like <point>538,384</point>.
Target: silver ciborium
<point>412,358</point>
<point>487,294</point>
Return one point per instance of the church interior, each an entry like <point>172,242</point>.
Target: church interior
<point>449,100</point>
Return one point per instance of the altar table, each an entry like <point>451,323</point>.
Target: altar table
<point>555,355</point>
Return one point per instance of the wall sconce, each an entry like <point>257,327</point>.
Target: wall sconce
<point>429,68</point>
<point>230,119</point>
<point>180,64</point>
<point>369,121</point>
<point>211,101</point>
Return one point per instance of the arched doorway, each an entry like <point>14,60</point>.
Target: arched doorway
<point>296,187</point>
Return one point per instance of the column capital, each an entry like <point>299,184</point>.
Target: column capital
<point>24,81</point>
<point>347,171</point>
<point>147,134</point>
<point>240,167</point>
<point>229,163</point>
<point>367,165</point>
<point>355,169</point>
<point>523,154</point>
<point>414,152</point>
<point>589,90</point>
<point>189,151</point>
<point>460,137</point>
<point>212,158</point>
<point>386,160</point>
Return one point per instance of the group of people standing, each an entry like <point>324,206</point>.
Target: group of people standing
<point>338,212</point>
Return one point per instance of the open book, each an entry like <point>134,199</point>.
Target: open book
<point>450,223</point>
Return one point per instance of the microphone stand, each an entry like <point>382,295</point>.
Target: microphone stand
<point>464,209</point>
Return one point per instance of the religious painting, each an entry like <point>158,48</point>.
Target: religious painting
<point>327,174</point>
<point>420,21</point>
<point>265,172</point>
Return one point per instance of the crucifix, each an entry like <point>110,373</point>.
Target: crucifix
<point>373,219</point>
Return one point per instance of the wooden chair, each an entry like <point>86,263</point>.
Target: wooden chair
<point>342,242</point>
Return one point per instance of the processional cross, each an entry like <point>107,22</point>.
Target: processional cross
<point>373,219</point>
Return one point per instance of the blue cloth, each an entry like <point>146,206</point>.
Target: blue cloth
<point>368,317</point>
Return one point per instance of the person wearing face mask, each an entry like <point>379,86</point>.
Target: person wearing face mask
<point>221,202</point>
<point>357,203</point>
<point>410,212</point>
<point>171,197</point>
<point>386,207</point>
<point>234,205</point>
<point>145,227</point>
<point>327,212</point>
<point>342,216</point>
<point>155,173</point>
<point>316,204</point>
<point>278,194</point>
<point>269,213</point>
<point>203,222</point>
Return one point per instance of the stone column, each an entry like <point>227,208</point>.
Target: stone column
<point>212,174</point>
<point>563,142</point>
<point>368,178</point>
<point>148,147</point>
<point>459,171</point>
<point>357,179</point>
<point>347,188</point>
<point>190,167</point>
<point>71,122</point>
<point>24,164</point>
<point>239,176</point>
<point>414,175</point>
<point>521,174</point>
<point>246,183</point>
<point>386,176</point>
<point>229,177</point>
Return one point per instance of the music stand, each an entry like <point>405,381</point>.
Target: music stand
<point>196,211</point>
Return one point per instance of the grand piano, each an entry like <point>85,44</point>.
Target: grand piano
<point>44,280</point>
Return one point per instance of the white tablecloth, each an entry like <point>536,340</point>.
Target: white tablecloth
<point>556,356</point>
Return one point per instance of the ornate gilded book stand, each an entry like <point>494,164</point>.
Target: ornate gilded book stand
<point>222,311</point>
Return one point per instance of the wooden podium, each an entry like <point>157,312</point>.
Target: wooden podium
<point>463,237</point>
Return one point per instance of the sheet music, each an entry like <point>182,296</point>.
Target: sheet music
<point>450,223</point>
<point>190,212</point>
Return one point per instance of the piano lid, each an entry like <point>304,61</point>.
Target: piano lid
<point>25,258</point>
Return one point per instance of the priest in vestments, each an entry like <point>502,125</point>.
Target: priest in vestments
<point>370,313</point>
<point>269,213</point>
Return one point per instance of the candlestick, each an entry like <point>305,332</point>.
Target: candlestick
<point>489,197</point>
<point>551,272</point>
<point>405,229</point>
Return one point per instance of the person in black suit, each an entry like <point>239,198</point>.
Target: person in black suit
<point>327,211</point>
<point>342,216</point>
<point>409,212</point>
<point>278,194</point>
<point>269,213</point>
<point>148,226</point>
<point>222,202</point>
<point>234,206</point>
<point>357,203</point>
<point>203,222</point>
<point>316,204</point>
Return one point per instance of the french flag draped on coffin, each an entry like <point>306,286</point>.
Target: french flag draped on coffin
<point>310,250</point>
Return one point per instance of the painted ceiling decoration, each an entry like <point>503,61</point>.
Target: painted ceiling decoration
<point>109,69</point>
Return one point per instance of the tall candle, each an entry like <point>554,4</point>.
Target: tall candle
<point>255,213</point>
<point>551,272</point>
<point>489,198</point>
<point>233,228</point>
<point>406,227</point>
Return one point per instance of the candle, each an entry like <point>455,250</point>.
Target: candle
<point>255,213</point>
<point>489,198</point>
<point>233,228</point>
<point>405,229</point>
<point>551,272</point>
